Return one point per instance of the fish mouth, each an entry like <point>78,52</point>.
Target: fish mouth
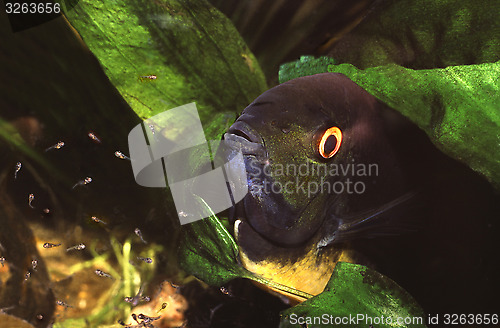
<point>242,129</point>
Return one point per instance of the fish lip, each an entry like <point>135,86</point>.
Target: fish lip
<point>244,130</point>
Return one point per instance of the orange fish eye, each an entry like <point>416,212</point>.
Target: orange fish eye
<point>325,146</point>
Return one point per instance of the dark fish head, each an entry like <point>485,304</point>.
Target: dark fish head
<point>315,150</point>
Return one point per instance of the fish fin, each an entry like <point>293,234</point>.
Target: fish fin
<point>396,217</point>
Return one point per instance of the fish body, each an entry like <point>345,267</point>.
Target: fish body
<point>50,245</point>
<point>121,155</point>
<point>58,145</point>
<point>83,182</point>
<point>321,170</point>
<point>31,197</point>
<point>78,247</point>
<point>101,273</point>
<point>334,175</point>
<point>93,137</point>
<point>96,219</point>
<point>139,234</point>
<point>145,259</point>
<point>17,169</point>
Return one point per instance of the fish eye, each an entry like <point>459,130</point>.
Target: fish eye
<point>330,141</point>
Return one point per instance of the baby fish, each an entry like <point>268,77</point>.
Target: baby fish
<point>137,298</point>
<point>96,219</point>
<point>147,319</point>
<point>78,247</point>
<point>101,273</point>
<point>58,145</point>
<point>18,168</point>
<point>121,155</point>
<point>145,259</point>
<point>85,181</point>
<point>94,137</point>
<point>50,245</point>
<point>46,211</point>
<point>61,303</point>
<point>148,77</point>
<point>31,197</point>
<point>27,275</point>
<point>2,260</point>
<point>152,128</point>
<point>34,264</point>
<point>163,306</point>
<point>139,234</point>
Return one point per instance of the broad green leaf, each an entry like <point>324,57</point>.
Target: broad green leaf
<point>422,34</point>
<point>357,294</point>
<point>193,50</point>
<point>209,252</point>
<point>458,107</point>
<point>306,65</point>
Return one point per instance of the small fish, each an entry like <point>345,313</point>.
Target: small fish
<point>145,259</point>
<point>137,298</point>
<point>58,145</point>
<point>31,197</point>
<point>92,136</point>
<point>152,128</point>
<point>121,155</point>
<point>46,211</point>
<point>2,260</point>
<point>226,291</point>
<point>50,245</point>
<point>147,319</point>
<point>163,306</point>
<point>85,181</point>
<point>18,168</point>
<point>61,303</point>
<point>101,273</point>
<point>139,234</point>
<point>123,323</point>
<point>27,275</point>
<point>96,219</point>
<point>34,264</point>
<point>78,247</point>
<point>39,317</point>
<point>148,77</point>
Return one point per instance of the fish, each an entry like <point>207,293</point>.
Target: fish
<point>78,247</point>
<point>145,259</point>
<point>17,169</point>
<point>137,298</point>
<point>307,146</point>
<point>139,234</point>
<point>58,145</point>
<point>2,261</point>
<point>92,136</point>
<point>148,77</point>
<point>64,304</point>
<point>83,182</point>
<point>101,273</point>
<point>50,245</point>
<point>121,155</point>
<point>31,197</point>
<point>163,306</point>
<point>96,219</point>
<point>34,264</point>
<point>27,275</point>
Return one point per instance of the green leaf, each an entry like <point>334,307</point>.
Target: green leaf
<point>209,252</point>
<point>306,65</point>
<point>194,50</point>
<point>458,107</point>
<point>422,34</point>
<point>355,290</point>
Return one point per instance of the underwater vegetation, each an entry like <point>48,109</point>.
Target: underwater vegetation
<point>83,245</point>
